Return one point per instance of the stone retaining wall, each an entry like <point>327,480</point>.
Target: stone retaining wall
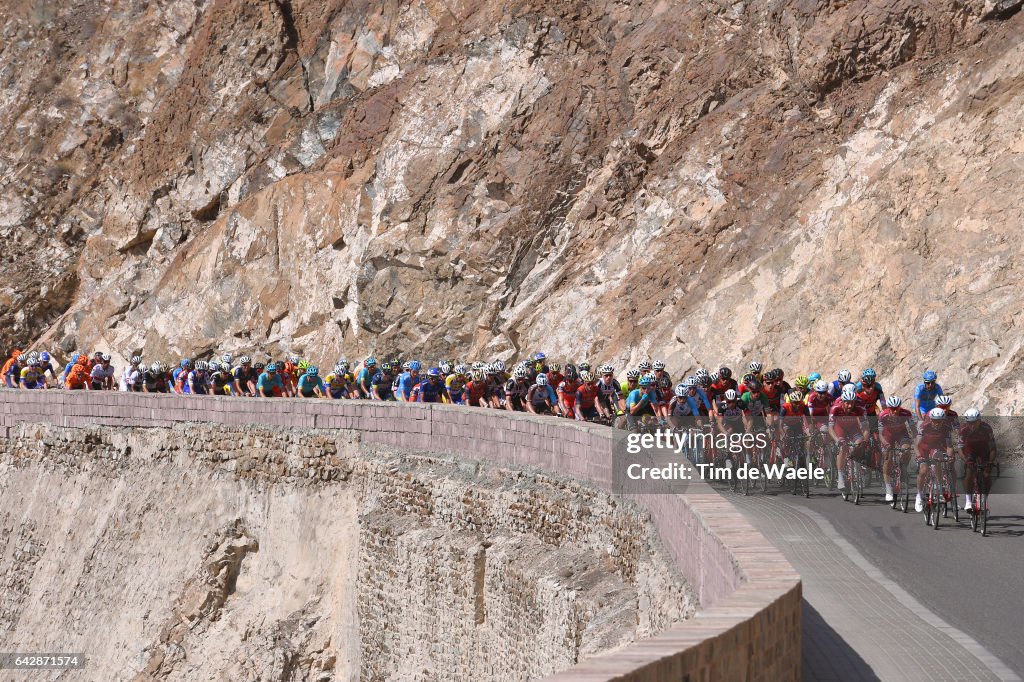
<point>749,626</point>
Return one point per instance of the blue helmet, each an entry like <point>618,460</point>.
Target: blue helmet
<point>868,373</point>
<point>539,356</point>
<point>814,377</point>
<point>433,372</point>
<point>312,371</point>
<point>414,366</point>
<point>646,380</point>
<point>74,358</point>
<point>44,356</point>
<point>185,363</point>
<point>930,376</point>
<point>271,367</point>
<point>371,362</point>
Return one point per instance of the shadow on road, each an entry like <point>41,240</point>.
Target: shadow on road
<point>1008,526</point>
<point>826,656</point>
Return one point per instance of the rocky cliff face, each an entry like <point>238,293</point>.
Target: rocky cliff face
<point>819,183</point>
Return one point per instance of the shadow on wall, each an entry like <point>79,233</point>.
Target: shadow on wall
<point>826,655</point>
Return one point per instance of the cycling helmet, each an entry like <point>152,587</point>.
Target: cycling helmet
<point>384,367</point>
<point>498,365</point>
<point>571,373</point>
<point>586,377</point>
<point>44,356</point>
<point>691,382</point>
<point>937,413</point>
<point>202,365</point>
<point>644,366</point>
<point>258,366</point>
<point>185,363</point>
<point>405,366</point>
<point>415,366</point>
<point>659,365</point>
<point>245,360</point>
<point>646,380</point>
<point>930,376</point>
<point>844,376</point>
<point>820,387</point>
<point>869,373</point>
<point>155,367</point>
<point>272,367</point>
<point>802,381</point>
<point>434,372</point>
<point>227,359</point>
<point>753,385</point>
<point>32,362</point>
<point>731,395</point>
<point>713,378</point>
<point>813,378</point>
<point>796,397</point>
<point>105,357</point>
<point>725,373</point>
<point>664,382</point>
<point>704,381</point>
<point>136,360</point>
<point>771,375</point>
<point>445,367</point>
<point>701,372</point>
<point>893,401</point>
<point>849,394</point>
<point>214,366</point>
<point>293,358</point>
<point>542,379</point>
<point>538,356</point>
<point>312,371</point>
<point>460,369</point>
<point>633,375</point>
<point>520,373</point>
<point>74,358</point>
<point>972,415</point>
<point>584,366</point>
<point>943,400</point>
<point>493,368</point>
<point>747,378</point>
<point>556,366</point>
<point>607,369</point>
<point>343,365</point>
<point>371,362</point>
<point>754,366</point>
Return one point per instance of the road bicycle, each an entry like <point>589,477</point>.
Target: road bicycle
<point>898,475</point>
<point>979,511</point>
<point>854,476</point>
<point>935,500</point>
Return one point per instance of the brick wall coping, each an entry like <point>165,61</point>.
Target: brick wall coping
<point>748,627</point>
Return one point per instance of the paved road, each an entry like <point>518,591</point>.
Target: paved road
<point>887,597</point>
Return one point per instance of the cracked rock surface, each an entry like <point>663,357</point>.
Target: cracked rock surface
<point>813,183</point>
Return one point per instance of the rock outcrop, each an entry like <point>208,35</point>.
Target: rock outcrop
<point>818,183</point>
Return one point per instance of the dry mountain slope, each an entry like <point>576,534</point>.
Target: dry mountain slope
<point>811,182</point>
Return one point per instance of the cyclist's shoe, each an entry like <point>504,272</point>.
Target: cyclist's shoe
<point>888,492</point>
<point>919,504</point>
<point>967,504</point>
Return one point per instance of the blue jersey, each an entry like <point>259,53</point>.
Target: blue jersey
<point>308,383</point>
<point>430,392</point>
<point>637,395</point>
<point>407,382</point>
<point>268,382</point>
<point>927,396</point>
<point>365,378</point>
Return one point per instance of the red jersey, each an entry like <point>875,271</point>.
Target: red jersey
<point>869,396</point>
<point>977,442</point>
<point>892,424</point>
<point>587,396</point>
<point>567,389</point>
<point>555,378</point>
<point>935,435</point>
<point>475,390</point>
<point>819,404</point>
<point>719,388</point>
<point>846,420</point>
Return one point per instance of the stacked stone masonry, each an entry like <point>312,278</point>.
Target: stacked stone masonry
<point>748,627</point>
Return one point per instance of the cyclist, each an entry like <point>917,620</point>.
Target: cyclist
<point>407,381</point>
<point>774,389</point>
<point>926,393</point>
<point>978,445</point>
<point>245,377</point>
<point>337,382</point>
<point>946,403</point>
<point>586,398</point>
<point>516,389</point>
<point>555,376</point>
<point>566,392</point>
<point>896,432</point>
<point>46,370</point>
<point>835,389</point>
<point>641,401</point>
<point>382,386</point>
<point>77,376</point>
<point>609,400</point>
<point>631,382</point>
<point>848,429</point>
<point>433,389</point>
<point>269,384</point>
<point>819,402</point>
<point>456,384</point>
<point>364,379</point>
<point>198,380</point>
<point>495,385</point>
<point>311,385</point>
<point>179,376</point>
<point>102,375</point>
<point>30,374</point>
<point>538,397</point>
<point>794,425</point>
<point>155,380</point>
<point>755,402</point>
<point>476,390</point>
<point>869,392</point>
<point>539,365</point>
<point>660,375</point>
<point>220,378</point>
<point>933,435</point>
<point>132,375</point>
<point>12,369</point>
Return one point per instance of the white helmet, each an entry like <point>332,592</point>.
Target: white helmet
<point>972,415</point>
<point>943,400</point>
<point>754,366</point>
<point>680,390</point>
<point>820,387</point>
<point>499,365</point>
<point>849,393</point>
<point>893,402</point>
<point>731,395</point>
<point>701,372</point>
<point>659,365</point>
<point>937,413</point>
<point>844,376</point>
<point>542,379</point>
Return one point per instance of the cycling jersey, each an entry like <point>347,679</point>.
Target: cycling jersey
<point>794,417</point>
<point>538,396</point>
<point>430,391</point>
<point>927,396</point>
<point>640,396</point>
<point>476,391</point>
<point>586,396</point>
<point>178,380</point>
<point>272,384</point>
<point>870,397</point>
<point>197,382</point>
<point>30,377</point>
<point>819,404</point>
<point>514,388</point>
<point>337,384</point>
<point>365,379</point>
<point>456,388</point>
<point>567,392</point>
<point>609,390</point>
<point>933,435</point>
<point>406,383</point>
<point>155,382</point>
<point>846,420</point>
<point>682,407</point>
<point>977,441</point>
<point>244,376</point>
<point>100,374</point>
<point>220,381</point>
<point>732,415</point>
<point>308,383</point>
<point>756,406</point>
<point>718,389</point>
<point>893,425</point>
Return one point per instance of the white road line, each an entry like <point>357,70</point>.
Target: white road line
<point>997,667</point>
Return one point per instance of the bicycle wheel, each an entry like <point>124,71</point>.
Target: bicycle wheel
<point>859,469</point>
<point>928,511</point>
<point>936,502</point>
<point>807,481</point>
<point>845,492</point>
<point>897,484</point>
<point>905,487</point>
<point>977,512</point>
<point>764,475</point>
<point>984,515</point>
